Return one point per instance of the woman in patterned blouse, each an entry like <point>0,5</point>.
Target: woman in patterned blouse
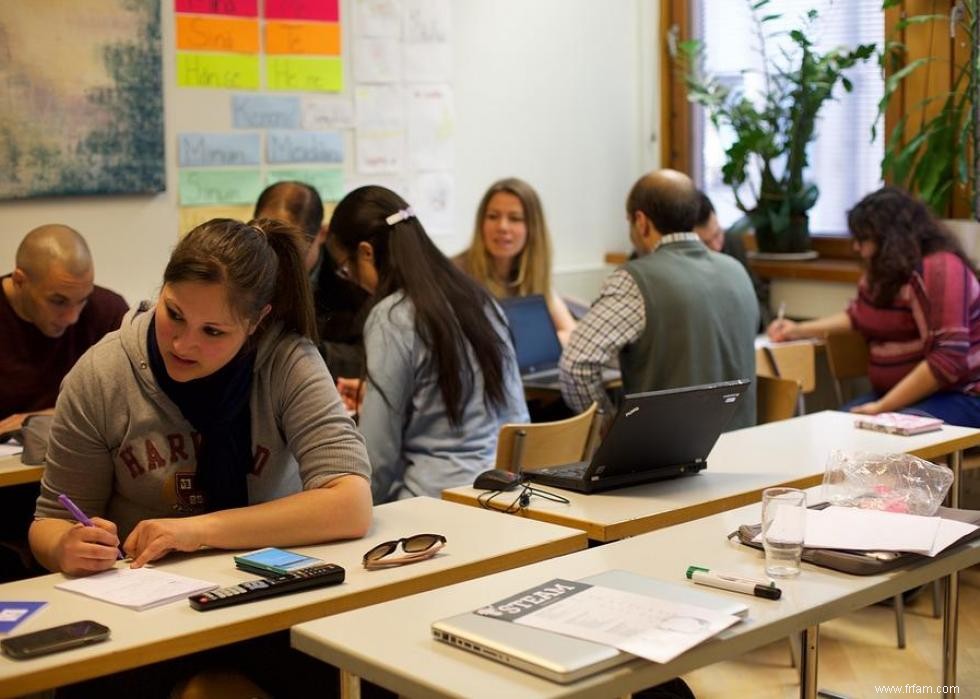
<point>918,307</point>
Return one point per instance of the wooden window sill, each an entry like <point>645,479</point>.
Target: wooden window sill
<point>836,263</point>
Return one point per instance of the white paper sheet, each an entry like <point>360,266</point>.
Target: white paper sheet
<point>431,123</point>
<point>377,60</point>
<point>378,18</point>
<point>638,624</point>
<point>432,199</point>
<point>950,531</point>
<point>380,151</point>
<point>137,588</point>
<point>10,449</point>
<point>854,529</point>
<point>379,106</point>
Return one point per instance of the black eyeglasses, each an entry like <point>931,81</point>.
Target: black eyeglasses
<point>417,548</point>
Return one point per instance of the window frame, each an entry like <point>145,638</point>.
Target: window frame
<point>678,145</point>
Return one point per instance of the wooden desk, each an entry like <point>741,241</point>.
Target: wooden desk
<point>391,644</point>
<point>479,543</point>
<point>742,464</point>
<point>13,472</point>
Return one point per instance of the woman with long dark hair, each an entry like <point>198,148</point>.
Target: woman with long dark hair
<point>918,306</point>
<point>208,420</point>
<point>441,372</point>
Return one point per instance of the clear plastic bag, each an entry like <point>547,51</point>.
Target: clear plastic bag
<point>890,482</point>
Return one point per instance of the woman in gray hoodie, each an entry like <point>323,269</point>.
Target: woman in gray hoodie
<point>209,420</point>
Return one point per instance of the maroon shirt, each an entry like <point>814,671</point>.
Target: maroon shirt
<point>32,365</point>
<point>935,317</point>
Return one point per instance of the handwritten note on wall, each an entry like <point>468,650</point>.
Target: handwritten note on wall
<point>217,44</point>
<point>394,126</point>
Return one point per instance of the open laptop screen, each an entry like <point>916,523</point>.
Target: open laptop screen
<point>667,428</point>
<point>535,338</point>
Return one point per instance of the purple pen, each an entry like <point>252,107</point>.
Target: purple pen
<point>79,516</point>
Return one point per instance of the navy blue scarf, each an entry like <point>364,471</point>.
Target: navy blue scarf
<point>217,406</point>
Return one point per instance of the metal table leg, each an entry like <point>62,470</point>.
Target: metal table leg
<point>808,663</point>
<point>950,628</point>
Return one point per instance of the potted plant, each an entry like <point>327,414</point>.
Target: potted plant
<point>931,150</point>
<point>771,132</point>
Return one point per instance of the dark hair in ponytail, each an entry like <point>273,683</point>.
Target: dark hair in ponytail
<point>450,308</point>
<point>259,263</point>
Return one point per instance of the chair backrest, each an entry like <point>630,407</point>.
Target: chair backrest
<point>540,444</point>
<point>847,358</point>
<point>794,360</point>
<point>776,399</point>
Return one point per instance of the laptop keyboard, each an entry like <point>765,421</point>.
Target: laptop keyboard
<point>576,471</point>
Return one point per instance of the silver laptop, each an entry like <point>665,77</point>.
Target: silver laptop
<point>560,658</point>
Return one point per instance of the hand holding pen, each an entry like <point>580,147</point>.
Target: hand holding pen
<point>89,548</point>
<point>780,330</point>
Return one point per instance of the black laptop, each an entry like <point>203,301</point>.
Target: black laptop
<point>655,435</point>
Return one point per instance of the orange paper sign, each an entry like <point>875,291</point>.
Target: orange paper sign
<point>217,34</point>
<point>299,38</point>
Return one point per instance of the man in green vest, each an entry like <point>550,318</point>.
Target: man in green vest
<point>678,315</point>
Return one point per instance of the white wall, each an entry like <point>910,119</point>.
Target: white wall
<point>561,93</point>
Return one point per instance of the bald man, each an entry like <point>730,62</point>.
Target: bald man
<point>50,313</point>
<point>677,315</point>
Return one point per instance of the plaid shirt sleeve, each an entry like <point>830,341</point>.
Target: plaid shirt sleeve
<point>616,319</point>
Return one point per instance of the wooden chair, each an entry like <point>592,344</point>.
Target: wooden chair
<point>540,444</point>
<point>789,360</point>
<point>847,358</point>
<point>776,399</point>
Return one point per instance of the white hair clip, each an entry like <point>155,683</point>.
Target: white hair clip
<point>402,215</point>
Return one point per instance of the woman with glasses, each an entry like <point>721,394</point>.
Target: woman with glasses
<point>208,420</point>
<point>918,307</point>
<point>511,251</point>
<point>441,373</point>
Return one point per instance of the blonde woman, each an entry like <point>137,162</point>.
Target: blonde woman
<point>511,250</point>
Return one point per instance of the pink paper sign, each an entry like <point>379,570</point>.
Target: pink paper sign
<point>315,10</point>
<point>238,8</point>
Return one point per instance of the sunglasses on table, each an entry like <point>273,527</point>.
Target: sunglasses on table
<point>417,548</point>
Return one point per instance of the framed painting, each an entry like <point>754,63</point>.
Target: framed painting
<point>81,107</point>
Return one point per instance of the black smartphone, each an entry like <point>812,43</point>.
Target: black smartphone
<point>55,639</point>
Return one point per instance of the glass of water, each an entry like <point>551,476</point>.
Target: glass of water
<point>783,526</point>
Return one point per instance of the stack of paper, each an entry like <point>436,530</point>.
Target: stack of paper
<point>137,588</point>
<point>855,529</point>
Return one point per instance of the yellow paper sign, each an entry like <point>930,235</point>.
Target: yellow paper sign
<point>193,216</point>
<point>240,71</point>
<point>217,34</point>
<point>309,38</point>
<point>304,74</point>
